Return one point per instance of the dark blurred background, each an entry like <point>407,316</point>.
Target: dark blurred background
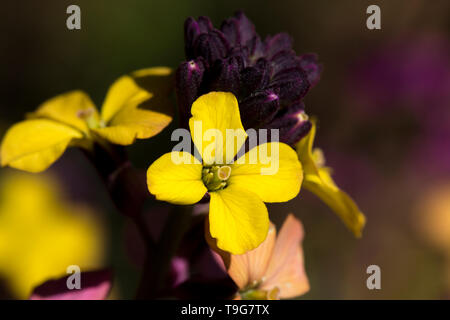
<point>383,103</point>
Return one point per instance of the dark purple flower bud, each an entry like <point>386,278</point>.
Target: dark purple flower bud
<point>255,78</point>
<point>292,84</point>
<point>238,30</point>
<point>241,52</point>
<point>277,43</point>
<point>309,63</point>
<point>211,46</point>
<point>284,60</point>
<point>192,29</point>
<point>267,77</point>
<point>292,122</point>
<point>259,109</point>
<point>225,75</point>
<point>189,77</point>
<point>256,49</point>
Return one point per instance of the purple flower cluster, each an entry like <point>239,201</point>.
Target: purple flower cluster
<point>267,77</point>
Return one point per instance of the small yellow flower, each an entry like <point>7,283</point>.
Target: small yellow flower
<point>238,217</point>
<point>318,180</point>
<point>71,119</point>
<point>41,234</point>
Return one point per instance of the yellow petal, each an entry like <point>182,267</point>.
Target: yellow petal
<point>159,81</point>
<point>128,90</point>
<point>318,180</point>
<point>339,201</point>
<point>136,106</point>
<point>238,219</point>
<point>433,215</point>
<point>176,183</point>
<point>305,151</point>
<point>212,115</point>
<point>286,269</point>
<point>33,145</point>
<point>270,170</point>
<point>69,108</point>
<point>41,234</point>
<point>132,123</point>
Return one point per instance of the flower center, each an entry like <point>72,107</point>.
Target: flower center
<point>91,119</point>
<point>215,177</point>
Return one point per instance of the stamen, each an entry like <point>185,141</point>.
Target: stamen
<point>224,172</point>
<point>85,113</point>
<point>302,116</point>
<point>215,177</point>
<point>91,119</point>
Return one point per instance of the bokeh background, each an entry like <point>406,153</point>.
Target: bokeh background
<point>384,108</point>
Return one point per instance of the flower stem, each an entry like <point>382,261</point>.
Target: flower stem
<point>128,191</point>
<point>158,262</point>
<point>126,185</point>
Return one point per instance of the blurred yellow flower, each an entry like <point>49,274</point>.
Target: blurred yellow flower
<point>71,119</point>
<point>41,235</point>
<point>433,220</point>
<point>318,180</point>
<point>434,216</point>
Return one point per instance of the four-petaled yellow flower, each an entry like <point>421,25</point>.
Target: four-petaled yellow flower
<point>238,217</point>
<point>71,119</point>
<point>318,180</point>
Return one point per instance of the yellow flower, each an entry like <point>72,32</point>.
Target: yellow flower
<point>318,180</point>
<point>41,235</point>
<point>238,217</point>
<point>71,119</point>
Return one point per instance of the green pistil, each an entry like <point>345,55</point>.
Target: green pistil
<point>252,292</point>
<point>215,177</point>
